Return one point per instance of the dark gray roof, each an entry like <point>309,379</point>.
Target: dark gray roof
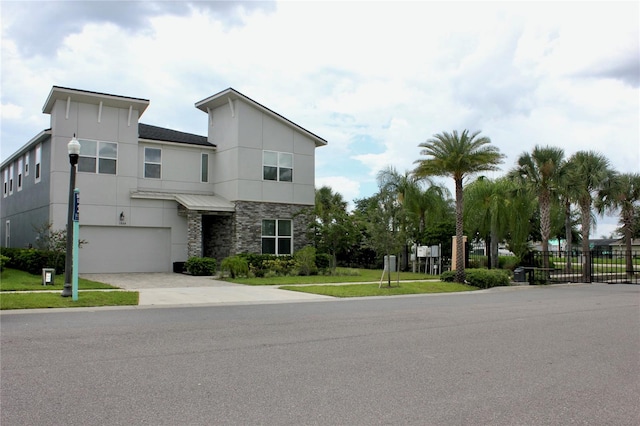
<point>146,131</point>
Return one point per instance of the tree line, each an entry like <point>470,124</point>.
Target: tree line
<point>545,195</point>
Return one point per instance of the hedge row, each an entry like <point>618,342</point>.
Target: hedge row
<point>33,260</point>
<point>481,278</point>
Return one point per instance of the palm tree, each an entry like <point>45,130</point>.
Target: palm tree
<point>589,172</point>
<point>623,194</point>
<point>403,186</point>
<point>540,171</point>
<point>488,210</point>
<point>458,156</point>
<point>415,200</point>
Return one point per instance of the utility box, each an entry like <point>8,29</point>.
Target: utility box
<point>390,263</point>
<point>48,276</point>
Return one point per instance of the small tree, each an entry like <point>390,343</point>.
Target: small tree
<point>54,240</point>
<point>305,259</point>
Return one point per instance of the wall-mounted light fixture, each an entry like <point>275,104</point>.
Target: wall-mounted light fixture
<point>123,220</point>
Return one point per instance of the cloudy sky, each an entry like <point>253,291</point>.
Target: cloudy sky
<point>373,78</point>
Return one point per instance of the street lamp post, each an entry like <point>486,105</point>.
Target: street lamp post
<point>73,148</point>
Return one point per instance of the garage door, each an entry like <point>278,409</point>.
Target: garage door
<point>124,249</point>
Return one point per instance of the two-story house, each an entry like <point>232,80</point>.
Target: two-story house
<point>151,197</point>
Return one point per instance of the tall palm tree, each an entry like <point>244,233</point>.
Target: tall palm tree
<point>540,171</point>
<point>458,156</point>
<point>589,172</point>
<point>622,194</point>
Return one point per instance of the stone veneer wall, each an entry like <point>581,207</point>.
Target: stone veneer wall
<point>248,224</point>
<point>217,235</point>
<point>194,234</point>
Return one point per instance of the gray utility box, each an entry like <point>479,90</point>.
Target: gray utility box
<point>390,263</point>
<point>519,275</point>
<point>48,276</point>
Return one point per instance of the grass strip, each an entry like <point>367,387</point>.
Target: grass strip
<point>54,300</point>
<point>343,275</point>
<point>15,280</point>
<point>363,290</point>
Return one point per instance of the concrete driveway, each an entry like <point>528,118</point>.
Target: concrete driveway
<point>170,289</point>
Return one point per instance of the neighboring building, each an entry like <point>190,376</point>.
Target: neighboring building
<point>151,196</point>
<point>619,247</point>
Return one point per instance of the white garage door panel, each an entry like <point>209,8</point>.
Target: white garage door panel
<point>125,249</point>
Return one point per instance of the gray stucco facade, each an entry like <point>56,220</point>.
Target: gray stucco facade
<point>152,196</point>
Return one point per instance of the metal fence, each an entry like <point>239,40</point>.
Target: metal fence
<point>575,266</point>
<point>572,267</point>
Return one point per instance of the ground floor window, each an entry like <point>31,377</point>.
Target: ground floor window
<point>277,237</point>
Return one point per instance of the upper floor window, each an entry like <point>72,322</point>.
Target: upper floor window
<point>153,163</point>
<point>98,157</point>
<point>20,166</point>
<point>204,168</point>
<point>38,163</point>
<point>26,164</point>
<point>277,237</point>
<point>5,183</point>
<point>11,179</point>
<point>277,166</point>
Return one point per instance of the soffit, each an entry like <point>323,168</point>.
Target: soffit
<point>93,98</point>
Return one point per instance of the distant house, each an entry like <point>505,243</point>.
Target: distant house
<point>151,196</point>
<point>602,247</point>
<point>620,246</point>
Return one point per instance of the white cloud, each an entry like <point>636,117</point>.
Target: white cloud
<point>348,188</point>
<point>373,78</point>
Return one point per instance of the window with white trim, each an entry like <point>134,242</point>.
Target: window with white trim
<point>204,168</point>
<point>7,233</point>
<point>38,163</point>
<point>277,236</point>
<point>277,166</point>
<point>26,164</point>
<point>98,157</point>
<point>11,179</point>
<point>153,163</point>
<point>20,166</point>
<point>5,183</point>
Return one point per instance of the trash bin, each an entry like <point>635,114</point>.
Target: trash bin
<point>48,276</point>
<point>519,275</point>
<point>178,267</point>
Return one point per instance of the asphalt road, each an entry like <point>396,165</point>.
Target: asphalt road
<point>554,355</point>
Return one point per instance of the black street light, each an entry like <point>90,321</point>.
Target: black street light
<point>73,148</point>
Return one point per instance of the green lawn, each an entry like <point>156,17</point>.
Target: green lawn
<point>14,282</point>
<point>54,300</point>
<point>361,290</point>
<point>344,275</point>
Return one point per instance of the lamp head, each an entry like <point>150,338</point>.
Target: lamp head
<point>73,147</point>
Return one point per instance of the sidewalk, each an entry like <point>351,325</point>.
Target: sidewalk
<point>157,289</point>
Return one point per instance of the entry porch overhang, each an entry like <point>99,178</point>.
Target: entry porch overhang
<point>195,202</point>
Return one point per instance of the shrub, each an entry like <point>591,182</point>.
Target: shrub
<point>305,261</point>
<point>323,262</point>
<point>482,278</point>
<point>236,266</point>
<point>33,260</point>
<point>3,261</point>
<point>201,266</point>
<point>279,265</point>
<point>508,262</point>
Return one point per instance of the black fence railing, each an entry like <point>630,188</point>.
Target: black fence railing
<point>612,266</point>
